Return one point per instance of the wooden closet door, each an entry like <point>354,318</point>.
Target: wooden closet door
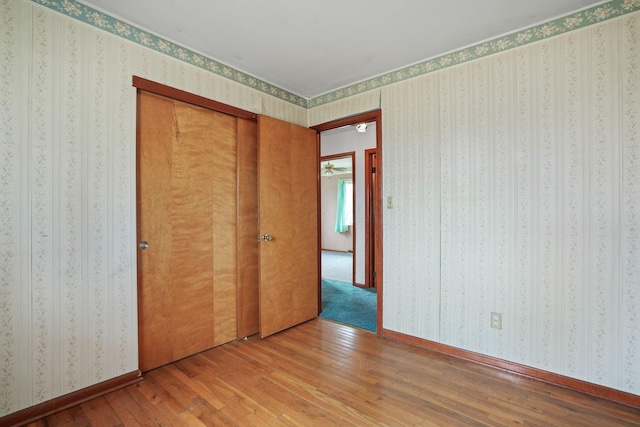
<point>186,214</point>
<point>288,200</point>
<point>248,256</point>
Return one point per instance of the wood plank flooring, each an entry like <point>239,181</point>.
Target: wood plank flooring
<point>325,374</point>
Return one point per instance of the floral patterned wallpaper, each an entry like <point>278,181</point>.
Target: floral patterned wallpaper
<point>68,311</point>
<point>515,177</point>
<point>517,191</point>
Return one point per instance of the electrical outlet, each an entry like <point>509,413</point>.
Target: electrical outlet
<point>496,320</point>
<point>389,202</point>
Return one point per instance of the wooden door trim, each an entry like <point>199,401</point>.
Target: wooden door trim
<point>319,223</point>
<point>352,155</point>
<point>367,117</point>
<point>368,206</point>
<point>191,98</point>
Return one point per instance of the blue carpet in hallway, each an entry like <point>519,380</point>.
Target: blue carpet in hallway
<point>351,305</point>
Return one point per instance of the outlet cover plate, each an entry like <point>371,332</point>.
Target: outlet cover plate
<point>496,320</point>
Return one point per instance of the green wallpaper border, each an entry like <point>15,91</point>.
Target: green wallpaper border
<point>573,21</point>
<point>593,15</point>
<point>115,26</point>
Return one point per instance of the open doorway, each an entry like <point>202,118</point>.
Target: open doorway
<point>337,217</point>
<point>349,245</point>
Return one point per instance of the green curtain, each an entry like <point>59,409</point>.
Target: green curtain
<point>341,225</point>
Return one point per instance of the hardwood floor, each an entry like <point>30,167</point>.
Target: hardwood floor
<point>325,374</point>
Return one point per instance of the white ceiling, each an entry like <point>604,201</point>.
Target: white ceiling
<point>311,48</point>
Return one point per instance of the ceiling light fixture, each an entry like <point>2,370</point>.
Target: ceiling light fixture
<point>362,127</point>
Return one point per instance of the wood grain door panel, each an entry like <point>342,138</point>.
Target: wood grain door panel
<point>154,177</point>
<point>287,182</point>
<point>248,268</point>
<point>191,259</point>
<point>208,184</point>
<point>187,213</point>
<point>223,136</point>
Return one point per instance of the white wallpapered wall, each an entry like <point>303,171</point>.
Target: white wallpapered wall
<point>68,314</point>
<point>517,190</point>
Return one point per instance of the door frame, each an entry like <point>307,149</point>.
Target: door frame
<point>366,117</point>
<point>370,224</point>
<point>191,98</point>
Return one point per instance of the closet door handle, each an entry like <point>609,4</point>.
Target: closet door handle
<point>143,245</point>
<point>265,238</point>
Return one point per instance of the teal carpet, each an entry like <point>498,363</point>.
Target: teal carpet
<point>351,305</point>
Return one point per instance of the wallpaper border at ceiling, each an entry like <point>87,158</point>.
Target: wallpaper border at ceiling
<point>125,30</point>
<point>593,15</point>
